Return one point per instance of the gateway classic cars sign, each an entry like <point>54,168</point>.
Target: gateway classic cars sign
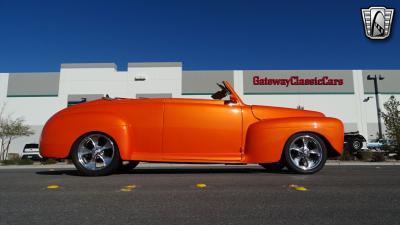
<point>295,80</point>
<point>298,82</point>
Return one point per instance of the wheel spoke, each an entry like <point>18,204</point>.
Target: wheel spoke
<point>315,152</point>
<point>305,162</point>
<point>84,150</point>
<point>94,140</point>
<point>297,161</point>
<point>91,164</point>
<point>106,160</point>
<point>310,162</point>
<point>106,146</point>
<point>305,142</point>
<point>299,150</point>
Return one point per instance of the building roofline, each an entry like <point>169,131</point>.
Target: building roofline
<point>33,73</point>
<point>88,65</point>
<point>155,64</point>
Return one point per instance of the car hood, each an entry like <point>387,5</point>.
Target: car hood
<point>270,112</point>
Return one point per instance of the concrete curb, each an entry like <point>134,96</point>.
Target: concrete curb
<point>178,165</point>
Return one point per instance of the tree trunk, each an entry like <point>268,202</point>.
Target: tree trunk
<point>7,148</point>
<point>2,149</point>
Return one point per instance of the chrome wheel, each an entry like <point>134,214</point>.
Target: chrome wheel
<point>96,152</point>
<point>305,152</point>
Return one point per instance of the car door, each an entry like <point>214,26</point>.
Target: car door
<point>202,130</point>
<point>145,132</point>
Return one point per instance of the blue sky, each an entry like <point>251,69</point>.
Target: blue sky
<point>206,34</point>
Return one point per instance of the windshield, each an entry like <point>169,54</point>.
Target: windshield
<point>31,146</point>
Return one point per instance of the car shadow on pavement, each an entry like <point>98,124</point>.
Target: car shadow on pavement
<point>73,172</point>
<point>198,170</point>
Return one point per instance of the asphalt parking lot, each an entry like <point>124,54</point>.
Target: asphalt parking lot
<point>202,195</point>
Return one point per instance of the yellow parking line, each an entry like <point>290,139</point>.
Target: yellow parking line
<point>297,187</point>
<point>128,188</point>
<point>125,189</point>
<point>201,185</point>
<point>131,186</point>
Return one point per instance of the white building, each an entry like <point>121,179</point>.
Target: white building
<point>336,93</point>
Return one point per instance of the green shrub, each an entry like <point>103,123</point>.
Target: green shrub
<point>13,156</point>
<point>16,162</point>
<point>391,117</point>
<point>397,151</point>
<point>24,162</point>
<point>8,162</point>
<point>366,156</point>
<point>378,157</point>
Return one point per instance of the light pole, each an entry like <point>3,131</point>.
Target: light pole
<point>378,109</point>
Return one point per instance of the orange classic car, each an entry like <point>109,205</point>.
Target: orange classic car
<point>100,135</point>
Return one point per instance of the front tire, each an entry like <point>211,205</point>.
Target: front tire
<point>96,154</point>
<point>305,153</point>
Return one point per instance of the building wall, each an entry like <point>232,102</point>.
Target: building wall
<point>204,82</point>
<point>327,91</point>
<point>40,95</point>
<point>152,78</point>
<point>34,107</point>
<point>3,86</point>
<point>99,79</point>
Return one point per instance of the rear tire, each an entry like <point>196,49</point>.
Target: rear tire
<point>95,154</point>
<point>305,153</point>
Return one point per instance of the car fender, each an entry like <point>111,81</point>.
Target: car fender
<point>58,142</point>
<point>266,138</point>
